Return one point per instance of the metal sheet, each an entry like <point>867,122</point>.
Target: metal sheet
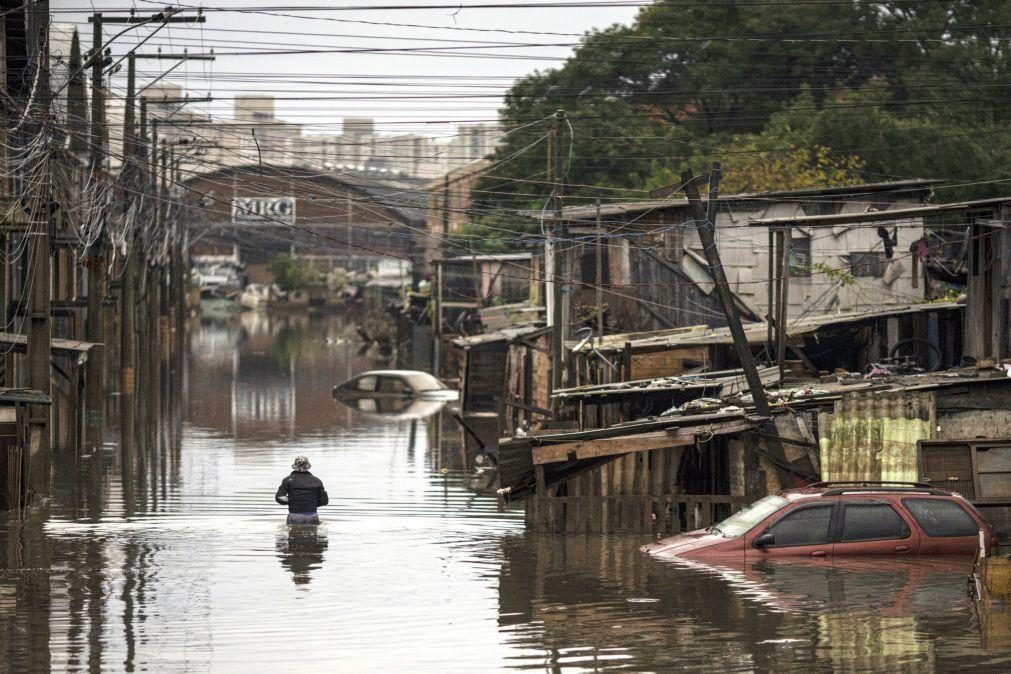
<point>873,436</point>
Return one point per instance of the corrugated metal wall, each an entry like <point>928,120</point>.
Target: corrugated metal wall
<point>872,436</point>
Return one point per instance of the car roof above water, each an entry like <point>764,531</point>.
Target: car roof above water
<point>419,381</point>
<point>859,490</point>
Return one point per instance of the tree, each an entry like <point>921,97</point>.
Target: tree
<point>290,274</point>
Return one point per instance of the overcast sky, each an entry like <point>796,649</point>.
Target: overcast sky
<point>434,83</point>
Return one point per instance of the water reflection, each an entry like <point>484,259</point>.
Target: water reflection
<point>300,549</point>
<point>177,558</point>
<point>594,602</point>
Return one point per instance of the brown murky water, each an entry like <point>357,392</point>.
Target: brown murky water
<point>186,565</point>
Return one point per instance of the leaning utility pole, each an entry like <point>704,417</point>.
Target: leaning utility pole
<point>555,272</point>
<point>706,227</point>
<point>39,336</point>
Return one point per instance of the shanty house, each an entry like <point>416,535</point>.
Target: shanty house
<point>655,274</point>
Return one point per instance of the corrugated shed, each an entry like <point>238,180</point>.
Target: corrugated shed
<point>873,436</point>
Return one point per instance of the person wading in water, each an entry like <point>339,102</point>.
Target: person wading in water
<point>302,492</point>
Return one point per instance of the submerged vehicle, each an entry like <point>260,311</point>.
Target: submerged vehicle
<point>255,296</point>
<point>839,519</point>
<point>378,384</point>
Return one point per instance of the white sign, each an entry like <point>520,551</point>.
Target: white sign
<point>263,210</point>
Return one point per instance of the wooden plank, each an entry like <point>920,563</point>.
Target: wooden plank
<point>642,442</point>
<point>604,447</point>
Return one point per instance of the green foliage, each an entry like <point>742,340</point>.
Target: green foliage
<point>292,274</point>
<point>841,276</point>
<point>784,95</point>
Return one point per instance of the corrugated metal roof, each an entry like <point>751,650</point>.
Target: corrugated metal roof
<point>20,342</point>
<point>875,216</point>
<point>503,335</point>
<point>757,333</point>
<point>491,257</point>
<point>811,194</point>
<point>23,395</point>
<point>873,436</point>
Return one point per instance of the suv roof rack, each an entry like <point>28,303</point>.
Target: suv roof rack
<point>932,491</point>
<point>869,483</point>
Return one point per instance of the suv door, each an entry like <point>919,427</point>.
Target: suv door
<point>874,527</point>
<point>805,530</point>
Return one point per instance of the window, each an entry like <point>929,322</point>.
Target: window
<point>994,467</point>
<point>868,265</point>
<point>392,385</point>
<point>806,526</point>
<point>368,383</point>
<point>871,522</point>
<point>979,470</point>
<point>814,207</point>
<point>742,521</point>
<point>800,255</point>
<point>941,518</point>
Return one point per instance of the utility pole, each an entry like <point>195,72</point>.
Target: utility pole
<point>39,335</point>
<point>437,286</point>
<point>706,228</point>
<point>553,256</point>
<point>128,295</point>
<point>437,320</point>
<point>94,329</point>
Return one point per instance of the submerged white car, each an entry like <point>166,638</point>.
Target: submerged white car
<point>394,384</point>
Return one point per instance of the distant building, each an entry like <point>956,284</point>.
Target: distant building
<point>448,206</point>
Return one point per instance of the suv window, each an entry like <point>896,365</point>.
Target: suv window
<point>805,526</point>
<point>368,383</point>
<point>391,385</point>
<point>872,521</point>
<point>941,518</point>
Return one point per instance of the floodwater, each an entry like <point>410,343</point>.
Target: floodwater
<point>185,564</point>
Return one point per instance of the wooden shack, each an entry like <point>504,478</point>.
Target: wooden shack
<point>987,334</point>
<point>649,259</point>
<point>17,439</point>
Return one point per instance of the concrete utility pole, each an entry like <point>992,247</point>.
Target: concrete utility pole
<point>128,294</point>
<point>553,255</point>
<point>39,242</point>
<point>94,328</point>
<point>704,221</point>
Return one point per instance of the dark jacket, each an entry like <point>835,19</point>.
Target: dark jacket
<point>305,493</point>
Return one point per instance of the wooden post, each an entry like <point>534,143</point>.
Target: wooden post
<point>600,275</point>
<point>770,312</point>
<point>706,230</point>
<point>784,301</point>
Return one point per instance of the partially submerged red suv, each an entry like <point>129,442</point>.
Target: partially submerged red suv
<point>839,518</point>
